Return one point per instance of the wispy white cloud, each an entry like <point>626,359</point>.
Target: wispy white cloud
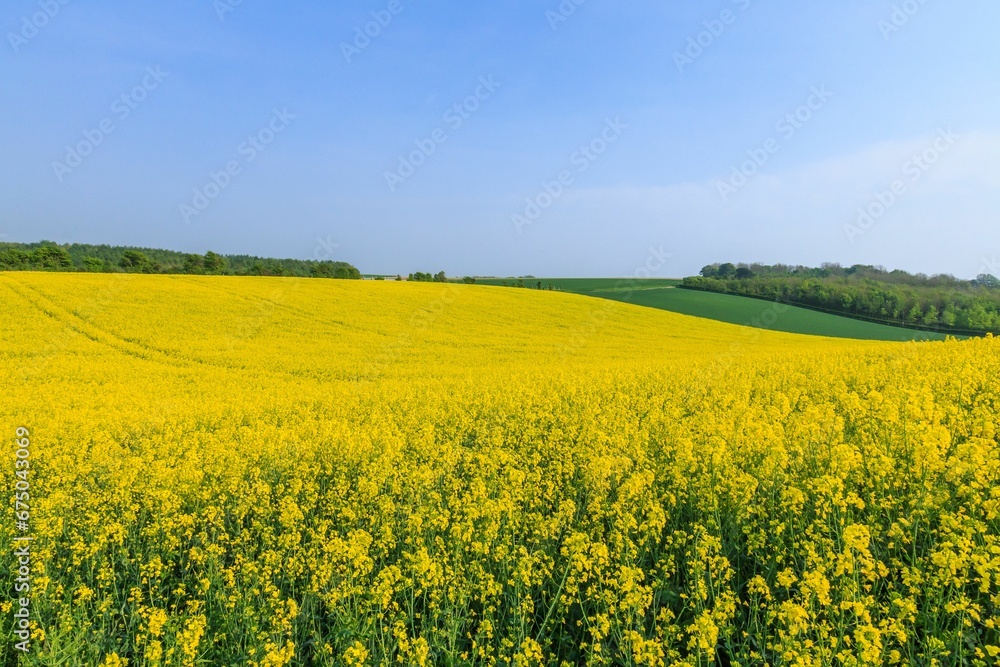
<point>944,219</point>
<point>972,166</point>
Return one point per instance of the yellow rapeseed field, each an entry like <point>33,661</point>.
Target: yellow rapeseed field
<point>270,472</point>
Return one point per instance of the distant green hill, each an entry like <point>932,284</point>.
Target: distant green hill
<point>579,285</point>
<point>771,315</point>
<point>917,301</point>
<point>665,295</point>
<point>49,256</point>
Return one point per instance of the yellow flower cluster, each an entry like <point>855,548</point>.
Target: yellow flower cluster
<point>272,472</point>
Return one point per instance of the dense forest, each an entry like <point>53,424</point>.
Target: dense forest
<point>49,256</point>
<point>940,302</point>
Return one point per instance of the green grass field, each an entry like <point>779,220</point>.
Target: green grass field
<point>662,294</point>
<point>585,285</point>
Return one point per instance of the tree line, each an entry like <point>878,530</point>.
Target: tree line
<point>421,277</point>
<point>439,277</point>
<point>940,302</point>
<point>520,283</point>
<point>80,257</point>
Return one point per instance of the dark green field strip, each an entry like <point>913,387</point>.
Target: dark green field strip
<point>584,285</point>
<point>759,313</point>
<point>662,294</point>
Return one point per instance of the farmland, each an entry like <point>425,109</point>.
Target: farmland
<point>274,471</point>
<point>587,285</point>
<point>661,293</point>
<point>749,311</point>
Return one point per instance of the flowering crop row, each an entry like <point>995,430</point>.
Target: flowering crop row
<point>268,472</point>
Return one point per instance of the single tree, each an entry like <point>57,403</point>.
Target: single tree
<point>51,257</point>
<point>135,261</point>
<point>987,280</point>
<point>93,264</point>
<point>726,270</point>
<point>194,264</point>
<point>214,263</point>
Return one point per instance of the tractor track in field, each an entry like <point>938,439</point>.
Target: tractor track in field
<point>80,325</point>
<point>76,323</point>
<point>277,304</point>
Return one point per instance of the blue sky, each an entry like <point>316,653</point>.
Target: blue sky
<point>273,129</point>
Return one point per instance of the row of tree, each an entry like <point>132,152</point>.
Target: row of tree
<point>48,256</point>
<point>857,272</point>
<point>523,285</point>
<point>439,277</point>
<point>895,297</point>
<point>420,277</point>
